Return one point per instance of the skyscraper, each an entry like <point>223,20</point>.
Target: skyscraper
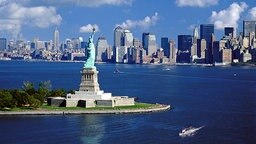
<point>249,27</point>
<point>184,47</point>
<point>166,46</point>
<point>101,49</point>
<point>118,34</point>
<point>127,39</point>
<point>173,51</point>
<point>229,31</point>
<point>2,44</point>
<point>56,39</point>
<point>195,35</point>
<point>202,48</point>
<point>206,32</point>
<point>149,42</point>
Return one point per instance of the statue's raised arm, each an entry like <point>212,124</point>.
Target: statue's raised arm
<point>89,62</point>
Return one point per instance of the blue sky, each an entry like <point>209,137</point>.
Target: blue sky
<point>165,18</point>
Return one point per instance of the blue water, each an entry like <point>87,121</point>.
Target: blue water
<point>223,99</point>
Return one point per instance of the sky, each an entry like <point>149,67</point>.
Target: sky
<point>75,18</point>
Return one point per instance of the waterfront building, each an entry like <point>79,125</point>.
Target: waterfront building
<point>166,46</point>
<point>245,44</point>
<point>229,31</point>
<point>3,44</point>
<point>173,51</point>
<point>56,39</point>
<point>206,32</point>
<point>76,43</point>
<point>102,49</point>
<point>251,38</point>
<point>49,45</point>
<point>184,47</point>
<point>83,44</point>
<point>137,43</point>
<point>248,26</point>
<point>118,34</point>
<point>246,56</point>
<point>217,47</point>
<point>126,42</point>
<point>76,56</point>
<point>226,56</point>
<point>195,35</point>
<point>149,43</point>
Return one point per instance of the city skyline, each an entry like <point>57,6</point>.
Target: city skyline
<point>162,19</point>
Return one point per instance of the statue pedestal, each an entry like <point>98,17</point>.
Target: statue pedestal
<point>89,80</point>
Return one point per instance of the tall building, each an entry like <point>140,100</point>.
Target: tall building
<point>149,42</point>
<point>202,48</point>
<point>101,49</point>
<point>166,46</point>
<point>76,42</point>
<point>143,39</point>
<point>195,35</point>
<point>127,39</point>
<point>184,47</point>
<point>137,43</point>
<point>2,44</point>
<point>248,27</point>
<point>173,51</point>
<point>206,32</point>
<point>229,31</point>
<point>56,39</point>
<point>118,34</point>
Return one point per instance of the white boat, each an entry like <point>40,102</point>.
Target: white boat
<point>189,131</point>
<point>166,69</point>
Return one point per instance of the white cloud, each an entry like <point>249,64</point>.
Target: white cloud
<point>252,13</point>
<point>196,3</point>
<point>229,16</point>
<point>3,2</point>
<point>14,16</point>
<point>88,28</point>
<point>144,23</point>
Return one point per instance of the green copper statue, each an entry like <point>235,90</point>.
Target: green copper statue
<point>89,62</point>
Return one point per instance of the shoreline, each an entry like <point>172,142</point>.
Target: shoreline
<point>87,111</point>
<point>170,64</point>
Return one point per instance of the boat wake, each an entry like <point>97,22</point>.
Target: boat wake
<point>190,131</point>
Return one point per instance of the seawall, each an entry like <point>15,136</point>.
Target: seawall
<point>77,112</point>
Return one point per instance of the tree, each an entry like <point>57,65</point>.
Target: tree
<point>22,97</point>
<point>58,93</point>
<point>39,97</point>
<point>6,99</point>
<point>28,87</point>
<point>35,103</point>
<point>44,88</point>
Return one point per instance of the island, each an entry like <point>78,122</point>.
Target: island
<point>89,99</point>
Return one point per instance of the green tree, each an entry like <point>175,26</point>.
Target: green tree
<point>6,99</point>
<point>39,97</point>
<point>35,103</point>
<point>22,97</point>
<point>28,87</point>
<point>58,93</point>
<point>44,88</point>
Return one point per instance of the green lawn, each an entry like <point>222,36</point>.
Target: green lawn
<point>46,107</point>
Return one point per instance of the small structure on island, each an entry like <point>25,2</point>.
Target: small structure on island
<point>89,93</point>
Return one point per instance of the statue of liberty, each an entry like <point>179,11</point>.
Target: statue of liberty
<point>89,62</point>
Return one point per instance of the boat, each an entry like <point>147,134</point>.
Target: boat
<point>166,69</point>
<point>190,131</point>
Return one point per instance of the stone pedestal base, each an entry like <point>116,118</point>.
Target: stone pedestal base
<point>89,80</point>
